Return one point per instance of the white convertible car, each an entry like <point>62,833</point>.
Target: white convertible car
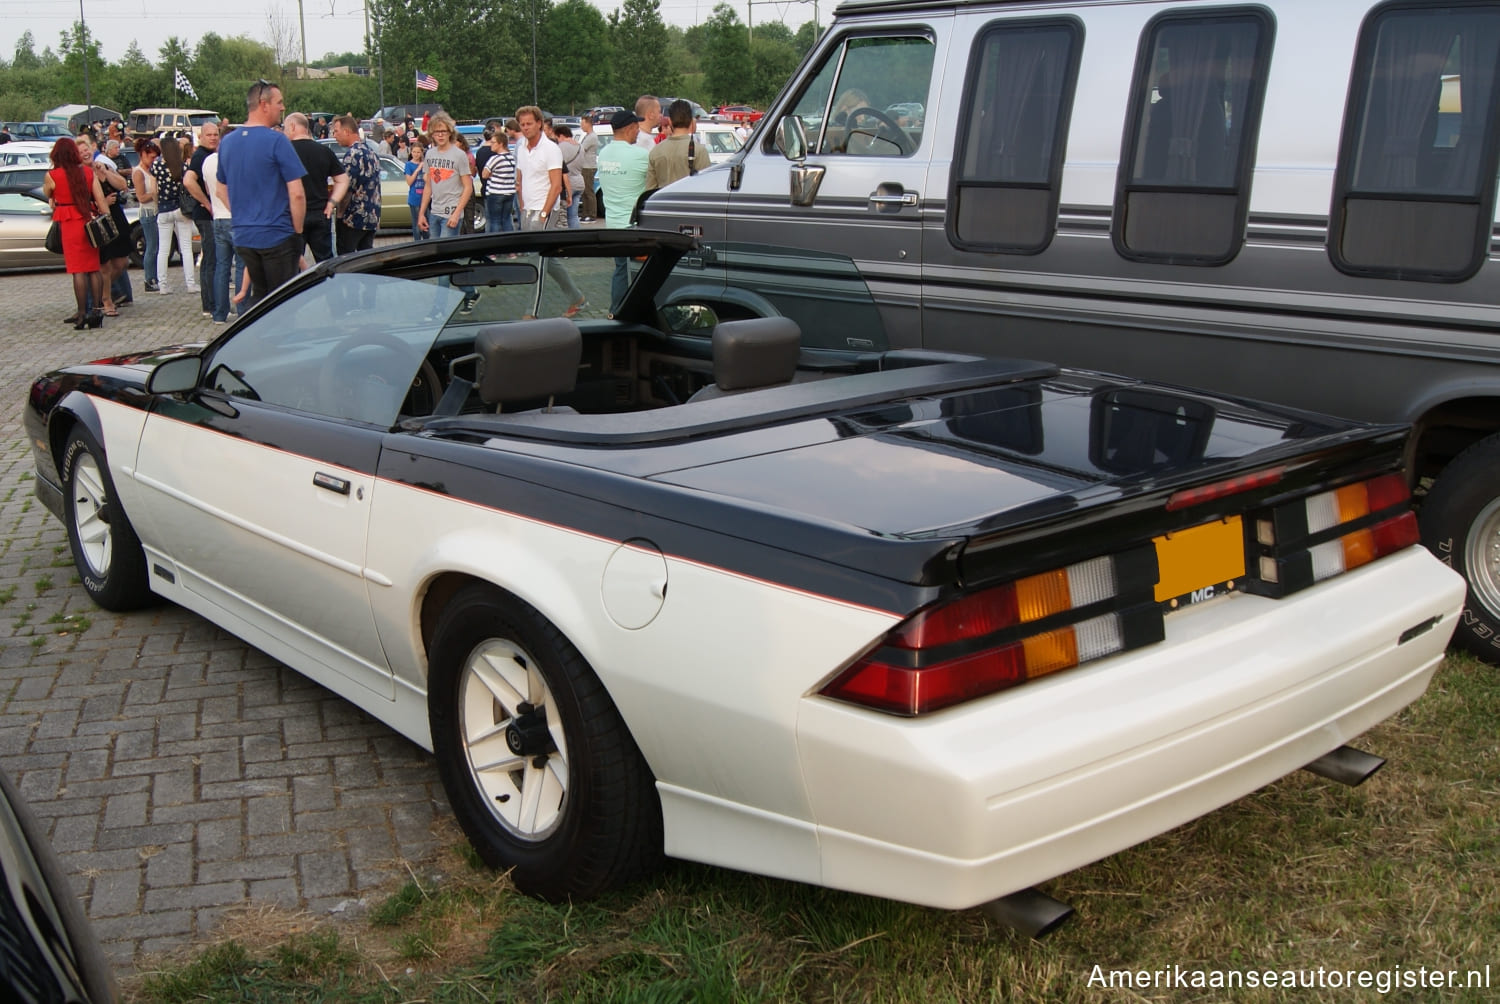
<point>721,575</point>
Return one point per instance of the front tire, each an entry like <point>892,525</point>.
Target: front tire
<point>537,763</point>
<point>1461,525</point>
<point>106,551</point>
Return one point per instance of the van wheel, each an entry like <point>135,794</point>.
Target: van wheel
<point>537,763</point>
<point>1461,525</point>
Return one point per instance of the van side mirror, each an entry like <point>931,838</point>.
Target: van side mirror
<point>791,138</point>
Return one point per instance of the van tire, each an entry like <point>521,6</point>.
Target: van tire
<point>1460,522</point>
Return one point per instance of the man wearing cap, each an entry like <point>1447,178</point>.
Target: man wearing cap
<point>622,180</point>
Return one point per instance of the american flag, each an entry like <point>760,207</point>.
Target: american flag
<point>180,81</point>
<point>426,81</point>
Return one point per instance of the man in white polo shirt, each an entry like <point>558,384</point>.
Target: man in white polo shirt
<point>538,171</point>
<point>538,182</point>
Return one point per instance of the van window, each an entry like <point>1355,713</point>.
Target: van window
<point>869,98</point>
<point>1017,101</point>
<point>1183,190</point>
<point>1415,186</point>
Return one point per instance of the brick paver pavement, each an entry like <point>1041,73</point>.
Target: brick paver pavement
<point>182,772</point>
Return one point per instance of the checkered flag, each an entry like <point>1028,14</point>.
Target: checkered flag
<point>180,81</point>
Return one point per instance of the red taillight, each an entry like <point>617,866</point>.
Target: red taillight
<point>996,638</point>
<point>900,690</point>
<point>1339,520</point>
<point>1189,497</point>
<point>970,617</point>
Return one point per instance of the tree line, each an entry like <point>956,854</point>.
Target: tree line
<point>481,51</point>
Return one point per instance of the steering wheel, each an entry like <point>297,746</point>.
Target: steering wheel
<point>889,129</point>
<point>339,389</point>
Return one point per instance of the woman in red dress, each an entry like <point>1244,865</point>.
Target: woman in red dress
<point>76,198</point>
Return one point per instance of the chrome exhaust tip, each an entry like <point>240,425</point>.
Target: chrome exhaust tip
<point>1346,765</point>
<point>1029,912</point>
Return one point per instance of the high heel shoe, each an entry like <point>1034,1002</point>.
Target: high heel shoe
<point>95,319</point>
<point>72,318</point>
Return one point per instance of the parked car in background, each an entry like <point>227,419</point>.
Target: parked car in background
<point>26,152</point>
<point>25,218</point>
<point>739,113</point>
<point>699,112</point>
<point>26,222</point>
<point>601,114</point>
<point>156,121</point>
<point>37,130</point>
<point>721,138</point>
<point>395,214</point>
<point>23,177</point>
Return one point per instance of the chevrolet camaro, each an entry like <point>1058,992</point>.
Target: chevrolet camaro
<point>663,549</point>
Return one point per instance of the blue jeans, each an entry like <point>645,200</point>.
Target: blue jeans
<point>206,238</point>
<point>437,226</point>
<point>224,270</point>
<point>153,241</point>
<point>573,210</point>
<point>417,233</point>
<point>499,211</point>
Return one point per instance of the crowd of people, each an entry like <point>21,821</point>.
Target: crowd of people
<point>264,196</point>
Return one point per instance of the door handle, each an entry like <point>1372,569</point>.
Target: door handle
<point>904,199</point>
<point>330,483</point>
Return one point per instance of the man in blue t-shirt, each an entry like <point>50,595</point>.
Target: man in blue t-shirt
<point>260,179</point>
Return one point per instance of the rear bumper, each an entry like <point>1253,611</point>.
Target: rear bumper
<point>988,798</point>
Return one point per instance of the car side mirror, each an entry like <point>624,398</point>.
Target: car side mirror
<point>175,376</point>
<point>791,138</point>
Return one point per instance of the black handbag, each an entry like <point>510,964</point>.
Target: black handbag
<point>101,230</point>
<point>54,238</point>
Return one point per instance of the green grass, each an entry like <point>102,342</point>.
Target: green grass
<point>1303,874</point>
<point>70,623</point>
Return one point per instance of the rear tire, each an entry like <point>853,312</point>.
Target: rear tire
<point>1461,525</point>
<point>537,763</point>
<point>106,551</point>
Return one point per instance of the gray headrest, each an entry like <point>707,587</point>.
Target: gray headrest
<point>759,352</point>
<point>526,360</point>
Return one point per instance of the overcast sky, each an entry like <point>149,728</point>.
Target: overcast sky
<point>332,25</point>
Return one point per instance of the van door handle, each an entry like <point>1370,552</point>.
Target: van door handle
<point>904,199</point>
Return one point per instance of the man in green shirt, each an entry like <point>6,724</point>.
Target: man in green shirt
<point>622,177</point>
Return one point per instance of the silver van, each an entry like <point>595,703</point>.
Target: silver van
<point>1284,200</point>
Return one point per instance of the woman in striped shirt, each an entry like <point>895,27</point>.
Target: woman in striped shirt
<point>499,177</point>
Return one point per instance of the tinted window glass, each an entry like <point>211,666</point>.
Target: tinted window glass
<point>1185,168</point>
<point>1191,123</point>
<point>860,101</point>
<point>1416,174</point>
<point>1426,101</point>
<point>1020,95</point>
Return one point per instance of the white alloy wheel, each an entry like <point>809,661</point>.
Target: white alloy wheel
<point>90,520</point>
<point>513,737</point>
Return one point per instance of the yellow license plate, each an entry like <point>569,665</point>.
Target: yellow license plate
<point>1195,562</point>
